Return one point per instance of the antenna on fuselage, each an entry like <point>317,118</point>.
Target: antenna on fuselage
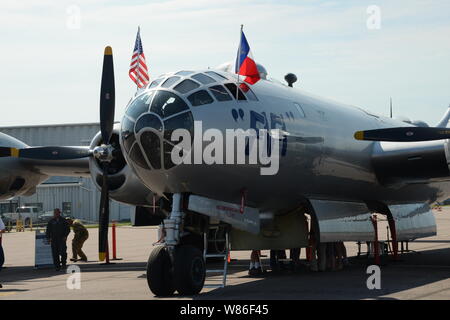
<point>290,79</point>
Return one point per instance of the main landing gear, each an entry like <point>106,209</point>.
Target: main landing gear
<point>174,265</point>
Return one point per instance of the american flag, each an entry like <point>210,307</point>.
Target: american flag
<point>138,68</point>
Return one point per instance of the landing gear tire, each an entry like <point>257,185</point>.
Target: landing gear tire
<point>159,272</point>
<point>189,270</point>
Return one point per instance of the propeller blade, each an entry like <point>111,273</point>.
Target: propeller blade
<point>107,97</point>
<point>404,134</point>
<point>103,216</point>
<point>47,153</point>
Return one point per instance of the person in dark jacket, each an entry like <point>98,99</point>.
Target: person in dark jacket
<point>57,231</point>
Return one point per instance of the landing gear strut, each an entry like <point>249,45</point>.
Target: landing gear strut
<point>174,265</point>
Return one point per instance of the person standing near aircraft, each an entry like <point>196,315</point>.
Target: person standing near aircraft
<point>81,235</point>
<point>57,231</point>
<point>255,266</point>
<point>2,254</point>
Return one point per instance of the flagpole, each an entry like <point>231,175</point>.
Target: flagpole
<point>137,67</point>
<point>239,62</point>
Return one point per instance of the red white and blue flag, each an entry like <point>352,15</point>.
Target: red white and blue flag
<point>138,68</point>
<point>245,64</point>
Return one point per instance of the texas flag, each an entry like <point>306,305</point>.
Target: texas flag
<point>245,64</point>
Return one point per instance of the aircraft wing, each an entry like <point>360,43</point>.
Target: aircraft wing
<point>69,168</point>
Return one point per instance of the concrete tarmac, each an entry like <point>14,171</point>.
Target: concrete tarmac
<point>422,274</point>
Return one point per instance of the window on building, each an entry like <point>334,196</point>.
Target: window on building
<point>67,209</point>
<point>38,205</point>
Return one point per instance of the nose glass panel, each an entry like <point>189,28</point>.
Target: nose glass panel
<point>137,157</point>
<point>152,146</point>
<point>140,105</point>
<point>128,137</point>
<point>148,121</point>
<point>166,104</point>
<point>182,121</point>
<point>157,114</point>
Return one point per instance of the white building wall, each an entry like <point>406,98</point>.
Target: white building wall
<point>83,195</point>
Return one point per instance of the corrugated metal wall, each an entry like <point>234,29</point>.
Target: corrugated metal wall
<point>83,196</point>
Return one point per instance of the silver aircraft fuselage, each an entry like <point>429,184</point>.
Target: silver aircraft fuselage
<point>320,158</point>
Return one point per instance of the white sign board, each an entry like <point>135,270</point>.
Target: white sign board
<point>43,251</point>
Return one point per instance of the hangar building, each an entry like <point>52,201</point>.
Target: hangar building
<point>77,197</point>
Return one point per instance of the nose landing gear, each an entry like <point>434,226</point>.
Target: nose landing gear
<point>174,265</point>
<point>189,270</point>
<point>185,272</point>
<point>159,272</point>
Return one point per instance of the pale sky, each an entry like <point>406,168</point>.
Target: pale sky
<point>50,72</point>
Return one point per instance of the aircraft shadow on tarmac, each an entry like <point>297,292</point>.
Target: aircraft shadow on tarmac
<point>13,274</point>
<point>413,270</point>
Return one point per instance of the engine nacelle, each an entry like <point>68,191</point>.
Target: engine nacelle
<point>124,185</point>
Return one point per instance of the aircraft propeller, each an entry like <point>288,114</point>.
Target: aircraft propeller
<point>107,107</point>
<point>104,153</point>
<point>404,134</point>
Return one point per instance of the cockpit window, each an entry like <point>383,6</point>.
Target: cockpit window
<point>184,73</point>
<point>216,75</point>
<point>170,81</point>
<point>202,78</point>
<point>166,104</point>
<point>220,93</point>
<point>248,92</point>
<point>200,98</point>
<point>233,90</point>
<point>155,83</point>
<point>186,86</point>
<point>140,105</point>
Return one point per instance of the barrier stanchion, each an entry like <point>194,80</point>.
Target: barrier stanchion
<point>114,242</point>
<point>19,226</point>
<point>114,239</point>
<point>391,223</point>
<point>376,246</point>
